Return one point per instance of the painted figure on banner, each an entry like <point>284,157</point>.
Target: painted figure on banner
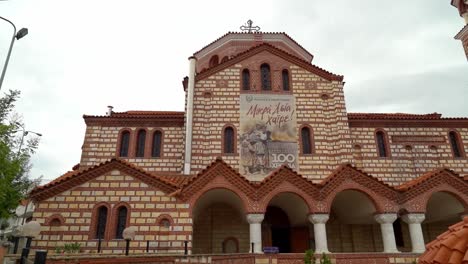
<point>268,134</point>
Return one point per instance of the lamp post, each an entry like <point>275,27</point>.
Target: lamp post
<point>30,231</point>
<point>21,33</point>
<point>25,133</point>
<point>128,234</point>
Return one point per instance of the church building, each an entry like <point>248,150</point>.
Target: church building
<point>264,157</point>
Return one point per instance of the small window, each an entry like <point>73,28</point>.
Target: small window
<point>121,221</point>
<point>214,61</point>
<point>157,142</point>
<point>228,140</point>
<point>265,76</point>
<point>245,79</point>
<point>285,75</point>
<point>141,139</point>
<point>124,143</point>
<point>381,144</point>
<point>101,223</point>
<point>224,59</point>
<point>306,141</point>
<point>457,148</point>
<point>55,222</point>
<point>165,223</point>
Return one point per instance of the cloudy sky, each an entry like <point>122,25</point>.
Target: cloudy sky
<point>80,56</point>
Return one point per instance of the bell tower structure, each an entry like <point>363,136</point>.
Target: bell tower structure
<point>462,6</point>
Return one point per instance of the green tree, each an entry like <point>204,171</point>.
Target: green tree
<point>15,154</point>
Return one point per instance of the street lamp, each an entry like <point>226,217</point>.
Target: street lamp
<point>21,33</point>
<point>25,133</point>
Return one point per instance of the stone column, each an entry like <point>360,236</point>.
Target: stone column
<point>386,227</point>
<point>320,232</point>
<point>255,221</point>
<point>414,223</point>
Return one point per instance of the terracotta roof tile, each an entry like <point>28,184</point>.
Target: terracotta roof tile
<point>141,114</point>
<point>244,33</point>
<point>265,46</point>
<point>451,247</point>
<point>400,116</point>
<point>426,176</point>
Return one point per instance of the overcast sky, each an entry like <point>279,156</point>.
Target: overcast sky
<point>80,56</point>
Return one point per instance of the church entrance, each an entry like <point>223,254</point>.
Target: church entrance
<point>277,229</point>
<point>285,225</point>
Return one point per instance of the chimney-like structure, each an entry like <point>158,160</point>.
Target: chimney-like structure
<point>189,115</point>
<point>462,6</point>
<point>109,110</point>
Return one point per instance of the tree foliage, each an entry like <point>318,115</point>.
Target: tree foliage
<point>15,152</point>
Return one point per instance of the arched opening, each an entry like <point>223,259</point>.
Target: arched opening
<point>214,61</point>
<point>382,144</point>
<point>245,79</point>
<point>229,140</point>
<point>352,227</point>
<point>442,210</point>
<point>218,220</point>
<point>265,76</point>
<point>456,145</point>
<point>124,143</point>
<point>141,140</point>
<point>157,142</point>
<point>285,77</point>
<point>286,226</point>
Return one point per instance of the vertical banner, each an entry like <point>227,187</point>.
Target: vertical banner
<point>268,134</point>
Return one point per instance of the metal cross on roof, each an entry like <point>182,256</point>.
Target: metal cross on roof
<point>249,28</point>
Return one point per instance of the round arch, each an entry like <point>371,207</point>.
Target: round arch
<point>218,214</point>
<point>379,207</point>
<point>352,226</point>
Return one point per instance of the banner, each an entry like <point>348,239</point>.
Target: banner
<point>268,134</point>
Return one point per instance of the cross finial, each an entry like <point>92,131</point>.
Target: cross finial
<point>249,28</point>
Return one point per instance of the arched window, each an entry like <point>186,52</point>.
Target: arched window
<point>228,140</point>
<point>457,147</point>
<point>382,147</point>
<point>306,140</point>
<point>265,76</point>
<point>121,221</point>
<point>101,222</point>
<point>224,59</point>
<point>214,61</point>
<point>157,143</point>
<point>141,139</point>
<point>55,222</point>
<point>245,79</point>
<point>165,223</point>
<point>285,75</point>
<point>124,144</point>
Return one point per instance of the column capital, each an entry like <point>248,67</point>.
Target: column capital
<point>318,218</point>
<point>416,218</point>
<point>387,218</point>
<point>255,218</point>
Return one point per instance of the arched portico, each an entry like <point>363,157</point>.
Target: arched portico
<point>443,209</point>
<point>352,226</point>
<point>219,223</point>
<point>285,224</point>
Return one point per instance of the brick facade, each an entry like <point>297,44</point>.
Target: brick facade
<point>164,204</point>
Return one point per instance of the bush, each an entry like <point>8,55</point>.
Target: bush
<point>309,257</point>
<point>325,259</point>
<point>69,248</point>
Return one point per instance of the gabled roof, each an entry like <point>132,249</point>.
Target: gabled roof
<point>449,247</point>
<point>140,114</point>
<point>75,178</point>
<point>463,32</point>
<point>405,119</point>
<point>266,36</point>
<point>275,51</point>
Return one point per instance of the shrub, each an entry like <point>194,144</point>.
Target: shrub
<point>69,248</point>
<point>309,257</point>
